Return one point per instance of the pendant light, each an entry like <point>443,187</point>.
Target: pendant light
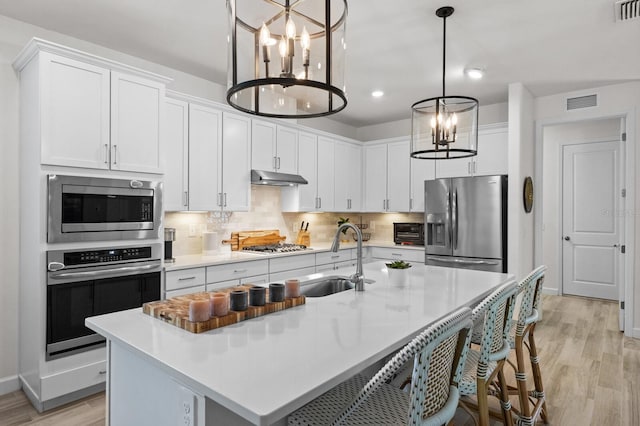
<point>444,127</point>
<point>286,57</point>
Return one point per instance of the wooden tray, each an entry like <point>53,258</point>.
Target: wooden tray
<point>176,310</point>
<point>242,239</point>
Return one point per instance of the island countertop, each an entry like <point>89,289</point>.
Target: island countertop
<point>264,368</point>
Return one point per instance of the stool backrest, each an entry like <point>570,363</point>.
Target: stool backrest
<point>530,288</point>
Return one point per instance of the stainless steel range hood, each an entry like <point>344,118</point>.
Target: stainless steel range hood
<point>263,177</point>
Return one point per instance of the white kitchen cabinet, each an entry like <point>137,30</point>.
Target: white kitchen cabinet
<point>176,151</point>
<point>235,191</point>
<point>386,178</point>
<point>237,271</point>
<point>492,158</point>
<point>274,147</point>
<point>326,174</point>
<point>421,170</point>
<point>397,253</point>
<point>91,114</point>
<point>285,275</point>
<point>331,258</point>
<point>205,147</point>
<point>184,281</point>
<point>183,291</point>
<point>348,177</point>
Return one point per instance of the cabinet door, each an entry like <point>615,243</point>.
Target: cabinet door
<point>458,167</point>
<point>375,178</point>
<point>342,176</point>
<point>354,178</point>
<point>493,152</point>
<point>398,177</point>
<point>307,167</point>
<point>263,145</point>
<point>205,146</point>
<point>74,113</point>
<point>287,150</point>
<point>236,163</point>
<point>326,169</point>
<point>421,170</point>
<point>176,152</point>
<point>137,107</point>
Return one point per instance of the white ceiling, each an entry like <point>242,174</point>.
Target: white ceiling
<point>550,46</point>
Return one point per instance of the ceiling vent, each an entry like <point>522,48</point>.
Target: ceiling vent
<point>627,9</point>
<point>582,102</point>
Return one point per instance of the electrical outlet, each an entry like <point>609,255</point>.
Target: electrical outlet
<point>187,407</point>
<point>192,229</point>
<point>372,225</point>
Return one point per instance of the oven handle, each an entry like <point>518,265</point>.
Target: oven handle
<point>63,275</point>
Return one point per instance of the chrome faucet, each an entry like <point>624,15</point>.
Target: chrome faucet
<point>358,278</point>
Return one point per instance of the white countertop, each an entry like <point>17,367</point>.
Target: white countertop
<point>264,368</point>
<point>199,260</point>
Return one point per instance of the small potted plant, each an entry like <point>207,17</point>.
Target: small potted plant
<point>398,271</point>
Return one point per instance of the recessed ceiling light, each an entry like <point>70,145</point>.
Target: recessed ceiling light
<point>377,93</point>
<point>474,73</point>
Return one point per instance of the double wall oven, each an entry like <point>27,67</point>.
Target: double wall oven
<point>115,261</point>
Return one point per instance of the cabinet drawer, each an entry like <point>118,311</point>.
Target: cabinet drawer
<point>395,253</point>
<point>72,380</point>
<point>184,278</point>
<point>261,280</point>
<point>183,291</point>
<point>294,273</point>
<point>238,270</point>
<point>288,263</point>
<point>331,257</point>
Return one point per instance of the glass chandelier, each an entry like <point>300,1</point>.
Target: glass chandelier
<point>446,126</point>
<point>286,57</point>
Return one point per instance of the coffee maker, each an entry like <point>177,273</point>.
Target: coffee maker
<point>169,238</point>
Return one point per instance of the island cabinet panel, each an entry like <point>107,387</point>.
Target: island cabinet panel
<point>397,253</point>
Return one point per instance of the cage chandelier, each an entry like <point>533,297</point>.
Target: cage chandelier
<point>286,57</point>
<point>444,127</point>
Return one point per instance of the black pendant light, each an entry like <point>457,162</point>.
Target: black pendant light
<point>444,127</point>
<point>286,57</point>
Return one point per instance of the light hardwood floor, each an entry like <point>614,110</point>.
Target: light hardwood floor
<point>591,373</point>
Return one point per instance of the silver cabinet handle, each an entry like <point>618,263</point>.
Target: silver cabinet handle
<point>185,198</point>
<point>219,199</point>
<point>396,254</point>
<point>106,153</point>
<point>319,202</point>
<point>274,163</point>
<point>102,372</point>
<point>277,163</point>
<point>225,199</point>
<point>335,256</point>
<point>410,203</point>
<point>239,271</point>
<point>115,154</point>
<point>462,261</point>
<point>186,278</point>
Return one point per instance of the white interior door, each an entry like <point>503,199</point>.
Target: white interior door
<point>590,225</point>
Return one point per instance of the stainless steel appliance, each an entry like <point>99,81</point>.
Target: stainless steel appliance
<point>83,283</point>
<point>169,238</point>
<point>406,233</point>
<point>466,222</point>
<point>100,209</point>
<point>276,248</point>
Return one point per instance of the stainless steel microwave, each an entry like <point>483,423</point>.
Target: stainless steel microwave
<point>102,209</point>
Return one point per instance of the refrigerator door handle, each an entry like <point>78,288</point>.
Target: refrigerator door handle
<point>454,219</point>
<point>462,261</point>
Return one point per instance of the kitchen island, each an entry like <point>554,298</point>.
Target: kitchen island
<point>260,370</point>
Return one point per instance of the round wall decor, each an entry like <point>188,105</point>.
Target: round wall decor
<point>527,194</point>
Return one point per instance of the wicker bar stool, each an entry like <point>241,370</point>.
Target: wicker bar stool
<point>485,365</point>
<point>438,355</point>
<point>531,403</point>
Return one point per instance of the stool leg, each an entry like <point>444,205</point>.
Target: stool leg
<point>521,381</point>
<point>482,390</point>
<point>505,404</point>
<point>537,374</point>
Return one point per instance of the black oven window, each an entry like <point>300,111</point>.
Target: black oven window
<point>67,307</point>
<point>97,208</point>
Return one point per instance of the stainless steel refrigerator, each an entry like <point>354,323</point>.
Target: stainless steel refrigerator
<point>466,222</point>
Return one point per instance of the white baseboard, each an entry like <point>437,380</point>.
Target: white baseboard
<point>635,333</point>
<point>9,384</point>
<point>550,290</point>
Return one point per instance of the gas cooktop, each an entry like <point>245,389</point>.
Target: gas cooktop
<point>276,248</point>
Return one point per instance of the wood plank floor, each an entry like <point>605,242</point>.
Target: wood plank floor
<point>591,373</point>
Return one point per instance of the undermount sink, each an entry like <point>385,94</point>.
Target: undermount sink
<point>327,285</point>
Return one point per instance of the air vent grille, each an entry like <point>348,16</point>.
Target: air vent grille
<point>582,102</point>
<point>627,9</point>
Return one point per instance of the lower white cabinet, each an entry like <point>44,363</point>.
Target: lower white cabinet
<point>397,253</point>
<point>71,380</point>
<point>235,273</point>
<point>184,281</point>
<point>183,291</point>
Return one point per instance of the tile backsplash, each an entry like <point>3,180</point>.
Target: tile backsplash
<point>266,213</point>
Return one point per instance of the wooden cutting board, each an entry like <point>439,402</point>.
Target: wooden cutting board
<point>242,239</point>
<point>175,310</point>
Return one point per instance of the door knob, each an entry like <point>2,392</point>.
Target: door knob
<point>567,238</point>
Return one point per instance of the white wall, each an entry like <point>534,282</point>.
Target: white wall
<point>621,100</point>
<point>553,138</point>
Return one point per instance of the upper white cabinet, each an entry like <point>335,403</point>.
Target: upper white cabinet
<point>492,158</point>
<point>209,157</point>
<point>274,147</point>
<point>90,112</point>
<point>421,170</point>
<point>326,174</point>
<point>348,177</point>
<point>386,177</point>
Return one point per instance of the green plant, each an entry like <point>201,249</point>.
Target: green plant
<point>342,220</point>
<point>398,264</point>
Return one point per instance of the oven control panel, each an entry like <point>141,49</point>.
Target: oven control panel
<point>106,255</point>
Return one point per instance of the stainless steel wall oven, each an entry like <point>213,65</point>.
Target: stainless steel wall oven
<point>84,283</point>
<point>100,209</point>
